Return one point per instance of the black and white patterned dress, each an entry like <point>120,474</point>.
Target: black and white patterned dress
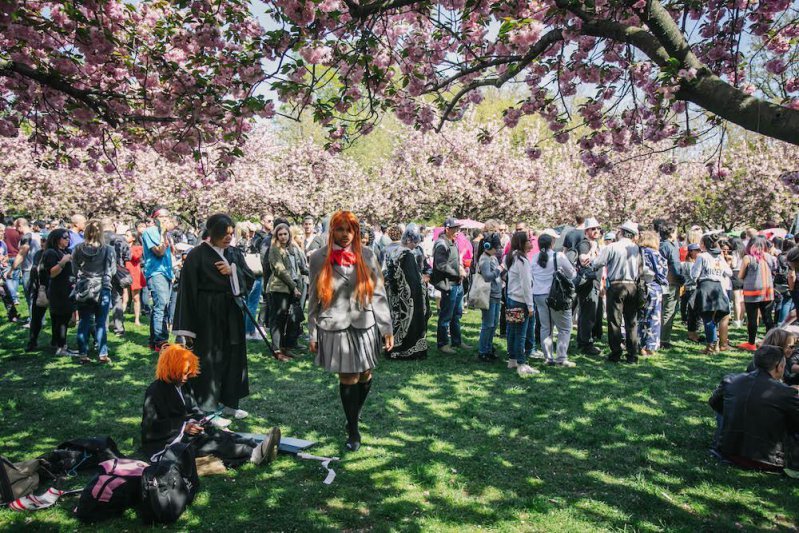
<point>407,299</point>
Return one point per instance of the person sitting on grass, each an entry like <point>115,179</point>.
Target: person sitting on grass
<point>758,416</point>
<point>787,341</point>
<point>170,412</point>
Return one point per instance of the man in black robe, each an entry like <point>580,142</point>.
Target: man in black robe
<point>209,315</point>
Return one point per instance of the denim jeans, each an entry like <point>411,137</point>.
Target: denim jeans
<point>529,336</point>
<point>711,327</point>
<point>489,327</point>
<point>161,291</point>
<point>782,306</point>
<point>517,333</point>
<point>450,311</point>
<point>12,284</point>
<point>96,313</point>
<point>252,303</point>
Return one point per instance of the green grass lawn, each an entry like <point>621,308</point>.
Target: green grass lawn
<point>450,444</point>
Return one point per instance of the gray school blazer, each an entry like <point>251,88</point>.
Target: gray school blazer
<point>344,310</point>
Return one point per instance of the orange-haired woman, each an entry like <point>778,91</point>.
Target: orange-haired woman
<point>171,413</point>
<point>347,314</point>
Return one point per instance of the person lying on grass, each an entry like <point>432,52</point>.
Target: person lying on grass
<point>170,412</point>
<point>758,416</point>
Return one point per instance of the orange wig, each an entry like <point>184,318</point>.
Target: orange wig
<point>364,286</point>
<point>172,363</point>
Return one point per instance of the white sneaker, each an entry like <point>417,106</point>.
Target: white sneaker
<point>538,354</point>
<point>567,364</point>
<point>238,414</point>
<point>512,363</point>
<point>219,422</point>
<point>252,336</point>
<point>526,370</point>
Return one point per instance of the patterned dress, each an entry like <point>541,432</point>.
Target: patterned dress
<point>407,299</point>
<point>655,271</point>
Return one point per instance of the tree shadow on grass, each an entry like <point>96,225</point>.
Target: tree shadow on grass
<point>448,444</point>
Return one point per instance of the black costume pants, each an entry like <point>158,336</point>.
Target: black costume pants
<point>588,301</point>
<point>688,312</point>
<point>622,306</point>
<point>279,306</point>
<point>766,313</point>
<point>600,313</point>
<point>228,446</point>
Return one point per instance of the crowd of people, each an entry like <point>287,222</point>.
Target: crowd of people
<point>348,291</point>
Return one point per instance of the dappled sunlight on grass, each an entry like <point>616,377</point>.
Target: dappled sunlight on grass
<point>449,444</point>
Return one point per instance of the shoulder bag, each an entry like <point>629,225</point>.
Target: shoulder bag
<point>561,292</point>
<point>641,289</point>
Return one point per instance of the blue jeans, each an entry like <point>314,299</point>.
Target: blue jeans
<point>489,327</point>
<point>782,306</point>
<point>711,327</point>
<point>252,304</point>
<point>529,336</point>
<point>517,333</point>
<point>161,291</point>
<point>12,284</point>
<point>450,311</point>
<point>97,312</point>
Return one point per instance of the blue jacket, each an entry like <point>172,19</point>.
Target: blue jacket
<point>671,254</point>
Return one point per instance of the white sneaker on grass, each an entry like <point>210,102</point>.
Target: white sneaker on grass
<point>526,370</point>
<point>567,364</point>
<point>238,414</point>
<point>512,363</point>
<point>219,422</point>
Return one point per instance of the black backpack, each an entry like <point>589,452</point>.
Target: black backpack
<point>169,485</point>
<point>114,489</point>
<point>561,292</point>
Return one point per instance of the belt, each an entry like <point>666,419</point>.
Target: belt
<point>622,281</point>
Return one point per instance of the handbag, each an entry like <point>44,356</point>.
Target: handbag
<point>515,316</point>
<point>479,293</point>
<point>253,262</point>
<point>41,297</point>
<point>561,292</point>
<point>123,278</point>
<point>641,290</point>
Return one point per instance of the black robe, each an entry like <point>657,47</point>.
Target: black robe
<point>207,308</point>
<point>407,297</point>
<point>162,419</point>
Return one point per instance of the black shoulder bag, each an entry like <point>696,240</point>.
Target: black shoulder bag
<point>561,292</point>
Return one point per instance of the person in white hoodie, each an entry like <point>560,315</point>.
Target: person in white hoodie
<point>519,307</point>
<point>544,265</point>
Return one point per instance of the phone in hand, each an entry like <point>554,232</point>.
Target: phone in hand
<point>204,421</point>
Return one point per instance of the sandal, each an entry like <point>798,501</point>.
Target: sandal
<point>84,359</point>
<point>104,359</point>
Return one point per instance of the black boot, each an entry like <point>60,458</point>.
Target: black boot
<point>364,388</point>
<point>350,400</point>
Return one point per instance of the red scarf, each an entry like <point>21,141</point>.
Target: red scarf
<point>342,257</point>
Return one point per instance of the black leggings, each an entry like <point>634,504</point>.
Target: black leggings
<point>766,313</point>
<point>279,304</point>
<point>37,317</point>
<point>60,324</point>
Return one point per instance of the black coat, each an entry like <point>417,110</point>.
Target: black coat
<point>164,413</point>
<point>207,309</point>
<point>760,416</point>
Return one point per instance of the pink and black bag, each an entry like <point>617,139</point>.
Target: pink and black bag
<point>115,488</point>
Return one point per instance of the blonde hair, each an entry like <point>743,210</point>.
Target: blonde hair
<point>93,233</point>
<point>693,237</point>
<point>779,337</point>
<point>649,239</point>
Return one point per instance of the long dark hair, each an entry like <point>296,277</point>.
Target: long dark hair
<point>517,244</point>
<point>217,226</point>
<point>544,244</point>
<point>54,238</point>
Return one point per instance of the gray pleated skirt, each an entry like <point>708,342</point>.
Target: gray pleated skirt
<point>348,351</point>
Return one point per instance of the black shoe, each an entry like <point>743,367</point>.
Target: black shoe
<point>631,360</point>
<point>485,358</point>
<point>666,345</point>
<point>31,347</point>
<point>613,359</point>
<point>590,350</point>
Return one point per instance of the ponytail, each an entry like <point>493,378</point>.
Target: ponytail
<point>544,244</point>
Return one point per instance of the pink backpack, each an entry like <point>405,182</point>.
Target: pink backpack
<point>115,488</point>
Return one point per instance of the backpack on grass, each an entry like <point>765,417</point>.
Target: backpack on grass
<point>19,479</point>
<point>114,489</point>
<point>169,485</point>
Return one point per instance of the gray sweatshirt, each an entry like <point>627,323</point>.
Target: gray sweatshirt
<point>489,269</point>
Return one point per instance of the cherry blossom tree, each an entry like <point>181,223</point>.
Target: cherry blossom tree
<point>95,76</point>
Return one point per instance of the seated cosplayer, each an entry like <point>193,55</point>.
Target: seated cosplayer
<point>171,413</point>
<point>758,416</point>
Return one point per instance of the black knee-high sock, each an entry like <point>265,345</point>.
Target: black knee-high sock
<point>363,387</point>
<point>350,400</point>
